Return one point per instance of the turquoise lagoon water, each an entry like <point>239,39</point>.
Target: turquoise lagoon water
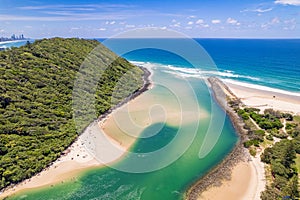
<point>170,182</point>
<point>269,64</point>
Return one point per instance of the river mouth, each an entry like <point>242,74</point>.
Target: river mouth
<point>178,110</point>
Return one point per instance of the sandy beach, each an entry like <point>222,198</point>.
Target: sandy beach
<point>266,99</point>
<point>99,138</point>
<point>246,182</point>
<point>76,159</point>
<point>248,177</point>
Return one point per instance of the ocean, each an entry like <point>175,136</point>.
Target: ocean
<point>267,64</point>
<point>15,43</point>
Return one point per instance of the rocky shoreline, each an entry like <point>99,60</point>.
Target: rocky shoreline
<point>222,94</point>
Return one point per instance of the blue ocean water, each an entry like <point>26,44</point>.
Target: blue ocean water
<point>271,63</point>
<point>16,43</point>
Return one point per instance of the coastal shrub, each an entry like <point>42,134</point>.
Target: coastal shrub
<point>256,142</point>
<point>249,110</point>
<point>256,117</point>
<point>240,112</point>
<point>294,132</point>
<point>280,181</point>
<point>291,188</point>
<point>259,132</point>
<point>249,125</point>
<point>248,143</point>
<point>272,113</point>
<point>259,135</point>
<point>281,157</point>
<point>279,134</point>
<point>279,169</point>
<point>252,152</point>
<point>296,118</point>
<point>251,142</point>
<point>269,137</point>
<point>234,103</point>
<point>290,126</point>
<point>287,116</point>
<point>271,193</point>
<point>296,142</point>
<point>245,116</point>
<point>265,125</point>
<point>246,126</point>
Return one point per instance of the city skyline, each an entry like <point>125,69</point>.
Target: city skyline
<point>200,19</point>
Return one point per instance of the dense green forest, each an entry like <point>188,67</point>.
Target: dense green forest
<point>36,99</point>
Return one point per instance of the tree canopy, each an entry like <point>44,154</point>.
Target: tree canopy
<point>36,85</point>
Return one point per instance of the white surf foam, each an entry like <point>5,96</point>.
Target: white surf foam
<point>260,87</point>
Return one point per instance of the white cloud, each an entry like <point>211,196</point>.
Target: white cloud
<point>275,20</point>
<point>2,30</point>
<point>110,22</point>
<point>288,2</point>
<point>290,24</point>
<point>163,28</point>
<point>231,21</point>
<point>130,26</point>
<point>264,26</point>
<point>190,23</point>
<point>101,29</point>
<point>176,25</point>
<point>216,21</point>
<point>292,27</point>
<point>290,21</point>
<point>200,21</point>
<point>174,21</point>
<point>258,10</point>
<point>191,17</point>
<point>79,7</point>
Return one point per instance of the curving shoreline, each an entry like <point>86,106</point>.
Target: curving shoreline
<point>76,157</point>
<point>146,86</point>
<point>221,93</point>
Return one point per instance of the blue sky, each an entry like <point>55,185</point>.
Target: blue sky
<point>195,18</point>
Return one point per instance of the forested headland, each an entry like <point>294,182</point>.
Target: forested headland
<point>36,91</point>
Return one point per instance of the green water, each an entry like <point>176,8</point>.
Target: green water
<point>168,183</point>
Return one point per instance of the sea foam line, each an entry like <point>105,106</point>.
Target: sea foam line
<point>194,72</point>
<point>225,75</point>
<point>260,87</point>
